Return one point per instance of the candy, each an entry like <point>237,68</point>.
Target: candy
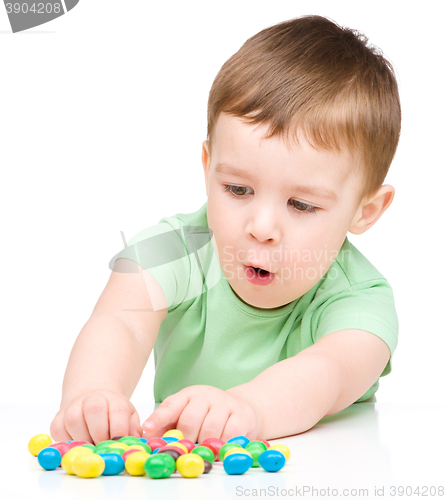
<point>134,464</point>
<point>88,465</point>
<point>123,446</point>
<point>205,453</point>
<point>127,453</point>
<point>170,451</point>
<point>159,466</point>
<point>241,440</point>
<point>190,465</point>
<point>207,467</point>
<point>171,447</point>
<point>38,443</point>
<point>68,458</point>
<point>174,433</point>
<point>62,447</point>
<point>237,463</point>
<point>155,443</point>
<point>225,448</point>
<point>78,443</point>
<point>216,443</point>
<point>255,448</point>
<point>129,440</point>
<point>49,458</point>
<point>284,449</point>
<point>237,450</point>
<point>114,464</point>
<point>140,447</point>
<point>272,460</point>
<point>170,439</point>
<point>188,444</point>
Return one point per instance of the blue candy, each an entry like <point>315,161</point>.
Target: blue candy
<point>237,463</point>
<point>49,458</point>
<point>272,460</point>
<point>241,440</point>
<point>170,439</point>
<point>114,464</point>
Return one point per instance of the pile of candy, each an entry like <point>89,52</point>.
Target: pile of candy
<point>170,453</point>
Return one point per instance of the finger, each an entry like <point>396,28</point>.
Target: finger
<point>96,417</point>
<point>57,428</point>
<point>119,413</point>
<point>75,424</point>
<point>166,415</point>
<point>214,423</point>
<point>192,417</point>
<point>234,427</point>
<point>135,425</point>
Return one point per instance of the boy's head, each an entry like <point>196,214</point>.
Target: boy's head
<point>304,102</point>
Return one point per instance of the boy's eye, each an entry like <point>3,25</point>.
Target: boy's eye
<point>299,206</point>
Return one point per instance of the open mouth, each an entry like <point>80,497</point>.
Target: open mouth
<point>260,271</point>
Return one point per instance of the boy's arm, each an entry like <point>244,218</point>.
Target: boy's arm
<point>293,395</point>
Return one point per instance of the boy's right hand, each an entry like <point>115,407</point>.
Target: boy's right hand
<point>96,416</point>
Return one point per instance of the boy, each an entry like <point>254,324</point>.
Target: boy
<point>263,317</point>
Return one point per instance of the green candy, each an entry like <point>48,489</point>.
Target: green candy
<point>159,466</point>
<point>205,453</point>
<point>255,448</point>
<point>129,440</point>
<point>225,448</point>
<point>103,443</point>
<point>107,449</point>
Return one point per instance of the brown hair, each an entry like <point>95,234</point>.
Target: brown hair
<point>312,75</point>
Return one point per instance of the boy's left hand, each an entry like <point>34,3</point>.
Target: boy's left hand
<point>202,411</point>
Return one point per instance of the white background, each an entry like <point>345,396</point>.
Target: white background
<point>102,116</point>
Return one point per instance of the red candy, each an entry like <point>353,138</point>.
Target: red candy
<point>188,444</point>
<point>155,443</point>
<point>216,443</point>
<point>77,443</point>
<point>62,447</point>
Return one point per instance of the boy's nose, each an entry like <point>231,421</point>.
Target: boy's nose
<point>264,224</point>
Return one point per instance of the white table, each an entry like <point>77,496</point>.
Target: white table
<point>366,446</point>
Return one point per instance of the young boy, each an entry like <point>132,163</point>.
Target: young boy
<point>263,317</point>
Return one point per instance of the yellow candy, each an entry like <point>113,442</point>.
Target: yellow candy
<point>67,459</point>
<point>134,463</point>
<point>88,465</point>
<point>38,443</point>
<point>120,445</point>
<point>176,433</point>
<point>281,447</point>
<point>237,450</point>
<point>190,465</point>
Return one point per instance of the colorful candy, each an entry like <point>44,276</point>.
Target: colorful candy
<point>159,466</point>
<point>49,458</point>
<point>38,443</point>
<point>172,454</point>
<point>237,463</point>
<point>88,465</point>
<point>190,465</point>
<point>272,460</point>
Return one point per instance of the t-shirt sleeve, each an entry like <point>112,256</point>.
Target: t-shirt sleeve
<point>161,250</point>
<point>366,306</point>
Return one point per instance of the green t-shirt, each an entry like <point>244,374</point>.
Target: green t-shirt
<point>211,337</point>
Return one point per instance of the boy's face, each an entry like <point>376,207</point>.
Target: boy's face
<point>268,220</point>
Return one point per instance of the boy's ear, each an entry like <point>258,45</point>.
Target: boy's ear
<point>206,161</point>
<point>371,209</point>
